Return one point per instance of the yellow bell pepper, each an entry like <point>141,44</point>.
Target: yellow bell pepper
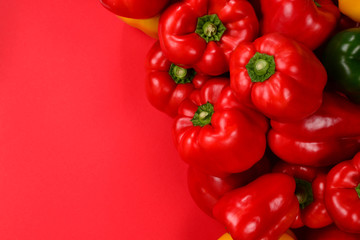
<point>350,8</point>
<point>226,236</point>
<point>286,236</point>
<point>148,26</point>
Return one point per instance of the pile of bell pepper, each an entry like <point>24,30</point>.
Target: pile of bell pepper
<point>265,101</point>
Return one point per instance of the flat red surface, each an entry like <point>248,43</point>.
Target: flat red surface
<point>82,153</point>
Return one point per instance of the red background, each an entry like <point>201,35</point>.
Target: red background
<point>82,153</point>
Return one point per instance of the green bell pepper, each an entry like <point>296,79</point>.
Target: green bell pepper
<point>342,62</point>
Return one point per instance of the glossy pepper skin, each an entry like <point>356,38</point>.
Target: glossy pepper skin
<point>216,134</point>
<point>307,21</point>
<point>329,136</point>
<point>327,233</point>
<point>203,33</point>
<point>342,61</point>
<point>263,209</point>
<point>168,85</point>
<point>281,78</point>
<point>350,8</point>
<point>206,190</point>
<point>138,9</point>
<point>310,189</point>
<point>342,195</point>
<point>286,236</point>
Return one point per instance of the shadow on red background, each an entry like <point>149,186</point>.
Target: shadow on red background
<point>82,153</point>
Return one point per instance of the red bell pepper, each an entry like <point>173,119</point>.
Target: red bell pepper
<point>203,33</point>
<point>166,84</point>
<point>327,233</point>
<point>280,77</point>
<point>329,136</point>
<point>310,188</point>
<point>216,134</point>
<point>342,195</point>
<point>206,190</point>
<point>307,21</point>
<point>262,210</point>
<point>139,9</point>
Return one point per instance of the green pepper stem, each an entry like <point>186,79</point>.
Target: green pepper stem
<point>210,28</point>
<point>317,4</point>
<point>180,72</point>
<point>261,67</point>
<point>203,115</point>
<point>304,192</point>
<point>181,75</point>
<point>358,190</point>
